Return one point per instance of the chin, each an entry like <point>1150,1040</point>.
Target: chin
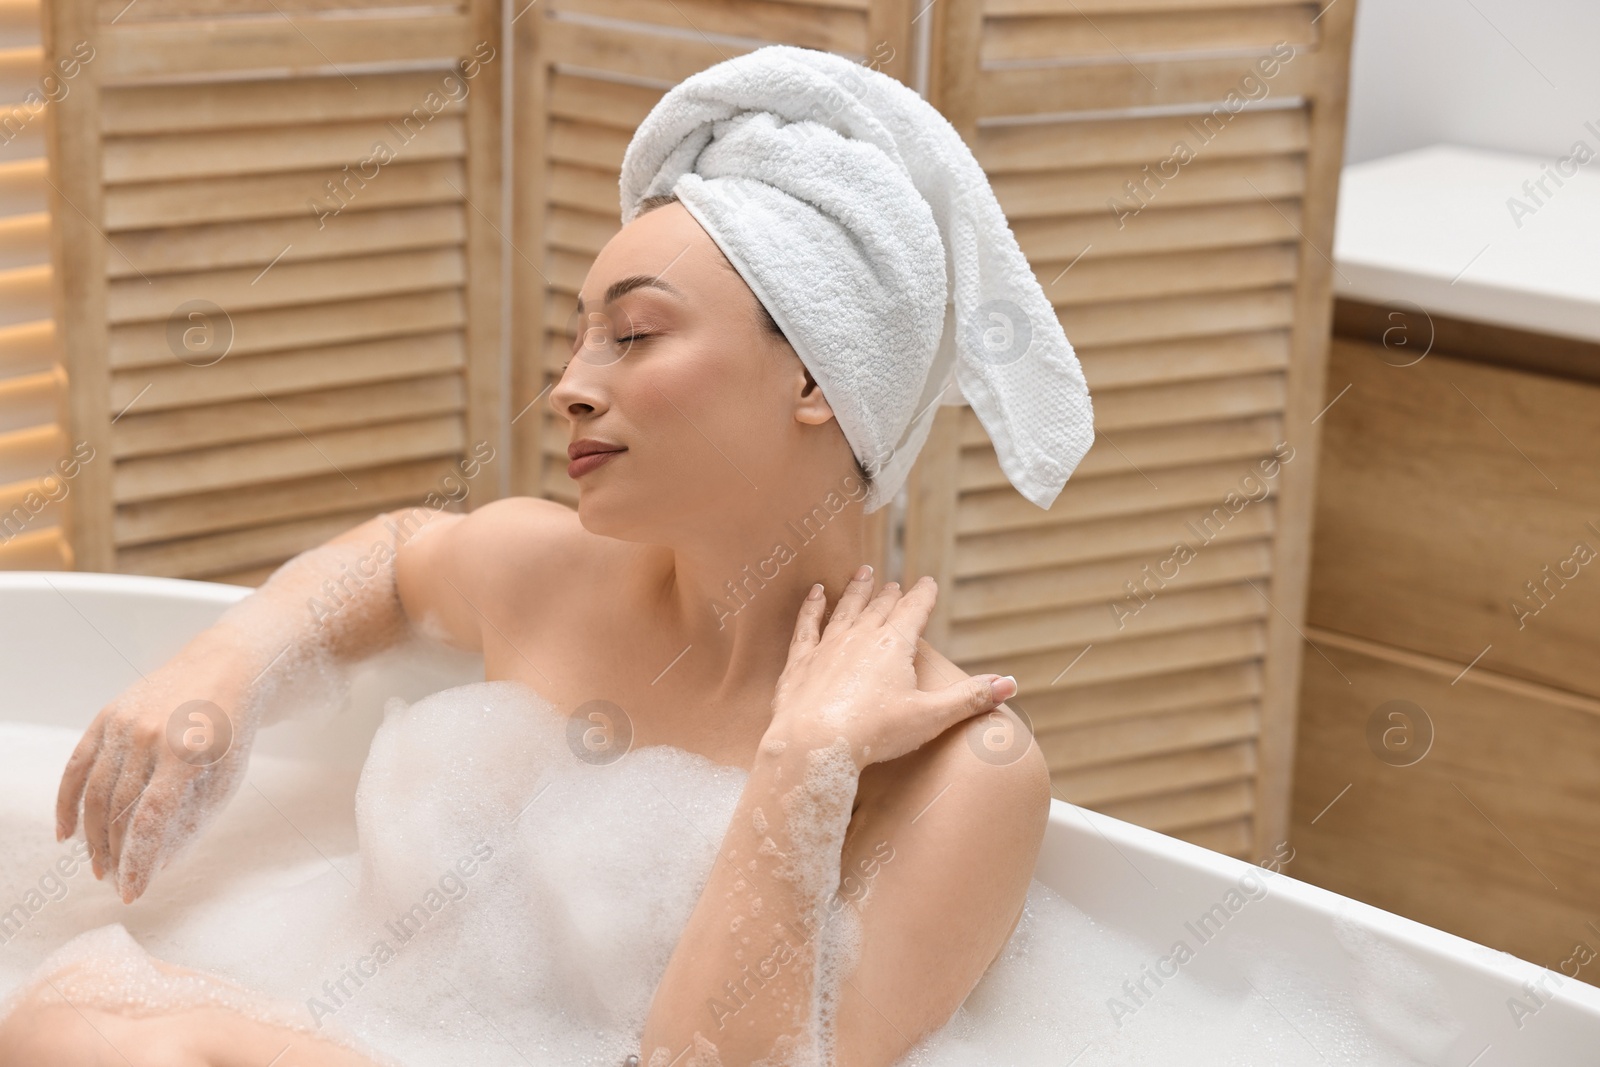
<point>614,511</point>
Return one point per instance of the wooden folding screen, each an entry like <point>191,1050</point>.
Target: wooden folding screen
<point>276,227</point>
<point>34,490</point>
<point>1170,169</point>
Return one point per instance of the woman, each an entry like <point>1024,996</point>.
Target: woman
<point>696,433</point>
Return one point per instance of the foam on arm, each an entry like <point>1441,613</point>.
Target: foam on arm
<point>755,976</point>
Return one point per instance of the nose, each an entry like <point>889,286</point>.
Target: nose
<point>580,391</point>
<point>576,394</point>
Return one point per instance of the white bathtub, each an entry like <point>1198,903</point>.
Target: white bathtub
<point>69,642</point>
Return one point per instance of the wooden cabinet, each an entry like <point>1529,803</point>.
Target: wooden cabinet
<point>1456,567</point>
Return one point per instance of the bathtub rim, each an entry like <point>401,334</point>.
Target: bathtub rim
<point>1418,937</point>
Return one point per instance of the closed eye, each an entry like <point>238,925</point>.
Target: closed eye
<point>625,341</point>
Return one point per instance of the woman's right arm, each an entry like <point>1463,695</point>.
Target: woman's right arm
<point>168,752</point>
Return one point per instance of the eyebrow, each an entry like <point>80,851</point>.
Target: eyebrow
<point>619,289</point>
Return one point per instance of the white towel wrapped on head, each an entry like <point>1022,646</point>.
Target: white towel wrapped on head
<point>862,222</point>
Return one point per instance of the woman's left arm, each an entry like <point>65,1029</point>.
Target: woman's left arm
<point>942,848</point>
<point>785,961</point>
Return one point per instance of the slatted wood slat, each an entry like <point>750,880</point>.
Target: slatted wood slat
<point>279,222</point>
<point>35,452</point>
<point>1169,167</point>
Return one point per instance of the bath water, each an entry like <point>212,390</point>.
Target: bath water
<point>473,894</point>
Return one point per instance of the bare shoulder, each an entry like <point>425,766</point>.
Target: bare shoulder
<point>994,755</point>
<point>990,764</point>
<point>457,573</point>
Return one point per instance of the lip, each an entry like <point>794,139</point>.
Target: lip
<point>588,453</point>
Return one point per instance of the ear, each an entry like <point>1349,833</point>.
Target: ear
<point>811,407</point>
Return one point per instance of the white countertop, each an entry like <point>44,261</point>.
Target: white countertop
<point>1435,227</point>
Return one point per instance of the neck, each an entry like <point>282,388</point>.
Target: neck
<point>735,593</point>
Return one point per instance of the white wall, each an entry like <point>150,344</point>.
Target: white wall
<point>1514,75</point>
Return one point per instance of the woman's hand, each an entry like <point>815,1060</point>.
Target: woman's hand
<point>156,763</point>
<point>855,677</point>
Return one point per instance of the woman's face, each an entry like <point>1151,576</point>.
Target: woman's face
<point>715,417</point>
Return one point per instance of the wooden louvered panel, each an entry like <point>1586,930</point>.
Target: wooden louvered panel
<point>1202,487</point>
<point>1133,141</point>
<point>1066,32</point>
<point>233,466</point>
<point>1146,449</point>
<point>1034,193</point>
<point>177,517</point>
<point>269,41</point>
<point>315,100</point>
<point>1094,281</point>
<point>635,51</point>
<point>1150,81</point>
<point>1160,229</point>
<point>1178,812</point>
<point>289,284</point>
<point>1131,657</point>
<point>253,150</point>
<point>1182,316</point>
<point>264,418</point>
<point>259,546</point>
<point>1201,401</point>
<point>1232,836</point>
<point>1148,533</point>
<point>185,203</point>
<point>122,11</point>
<point>24,240</point>
<point>831,28</point>
<point>1130,780</point>
<point>1193,286</point>
<point>1000,599</point>
<point>1072,703</point>
<point>1081,625</point>
<point>296,371</point>
<point>24,454</point>
<point>1138,737</point>
<point>282,329</point>
<point>1118,7</point>
<point>320,191</point>
<point>33,443</point>
<point>243,244</point>
<point>1185,359</point>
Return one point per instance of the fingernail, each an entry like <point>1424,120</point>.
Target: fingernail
<point>816,592</point>
<point>865,571</point>
<point>1004,687</point>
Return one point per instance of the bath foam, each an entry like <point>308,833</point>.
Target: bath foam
<point>548,951</point>
<point>817,815</point>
